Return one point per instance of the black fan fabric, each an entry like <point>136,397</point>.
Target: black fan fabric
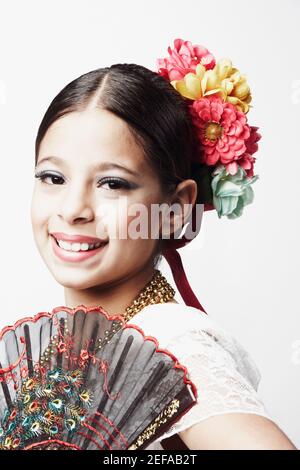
<point>131,390</point>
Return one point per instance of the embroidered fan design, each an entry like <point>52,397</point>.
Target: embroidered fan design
<point>79,379</point>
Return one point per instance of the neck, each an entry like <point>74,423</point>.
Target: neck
<point>113,297</point>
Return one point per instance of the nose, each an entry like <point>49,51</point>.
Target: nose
<point>76,206</point>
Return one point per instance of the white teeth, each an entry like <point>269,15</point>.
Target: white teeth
<point>84,246</point>
<point>77,246</point>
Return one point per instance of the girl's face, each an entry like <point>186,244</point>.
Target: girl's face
<point>90,172</point>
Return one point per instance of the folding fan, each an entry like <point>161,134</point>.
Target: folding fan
<point>80,379</point>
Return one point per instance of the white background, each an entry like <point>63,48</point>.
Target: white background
<point>244,271</point>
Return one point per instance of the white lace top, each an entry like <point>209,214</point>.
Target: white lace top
<point>224,373</point>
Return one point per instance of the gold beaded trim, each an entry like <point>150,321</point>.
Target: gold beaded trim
<point>158,290</point>
<point>164,416</point>
<point>46,356</point>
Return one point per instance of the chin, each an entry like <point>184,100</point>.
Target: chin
<point>74,279</point>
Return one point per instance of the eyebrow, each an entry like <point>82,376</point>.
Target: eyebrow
<point>107,165</point>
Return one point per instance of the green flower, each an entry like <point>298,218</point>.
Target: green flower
<point>231,192</point>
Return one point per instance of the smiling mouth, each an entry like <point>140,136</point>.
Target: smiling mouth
<point>76,247</point>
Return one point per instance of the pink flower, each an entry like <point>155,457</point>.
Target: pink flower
<point>222,130</point>
<point>183,59</point>
<point>24,372</point>
<point>247,161</point>
<point>61,347</point>
<point>84,355</point>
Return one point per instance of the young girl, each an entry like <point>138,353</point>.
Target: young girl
<point>118,135</point>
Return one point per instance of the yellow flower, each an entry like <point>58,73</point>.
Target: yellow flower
<point>223,79</point>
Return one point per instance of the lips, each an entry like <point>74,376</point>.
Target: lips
<point>76,238</point>
<point>76,256</point>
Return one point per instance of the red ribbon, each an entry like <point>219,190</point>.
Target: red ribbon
<point>174,260</point>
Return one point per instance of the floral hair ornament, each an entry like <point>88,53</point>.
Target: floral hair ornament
<point>218,97</point>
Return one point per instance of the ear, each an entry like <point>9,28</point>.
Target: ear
<point>182,202</point>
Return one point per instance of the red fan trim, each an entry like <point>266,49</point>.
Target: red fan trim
<point>92,419</point>
<point>72,311</point>
<point>100,310</point>
<point>91,428</point>
<point>101,415</point>
<point>47,441</point>
<point>86,436</point>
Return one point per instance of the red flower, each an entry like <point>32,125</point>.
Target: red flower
<point>61,347</point>
<point>84,355</point>
<point>24,372</point>
<point>251,143</point>
<point>222,130</point>
<point>247,161</point>
<point>183,59</point>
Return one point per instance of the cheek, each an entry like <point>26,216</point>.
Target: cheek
<point>128,220</point>
<point>127,224</point>
<point>40,213</point>
<point>140,227</point>
<point>116,220</point>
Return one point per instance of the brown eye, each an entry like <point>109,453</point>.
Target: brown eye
<point>115,183</point>
<point>55,179</point>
